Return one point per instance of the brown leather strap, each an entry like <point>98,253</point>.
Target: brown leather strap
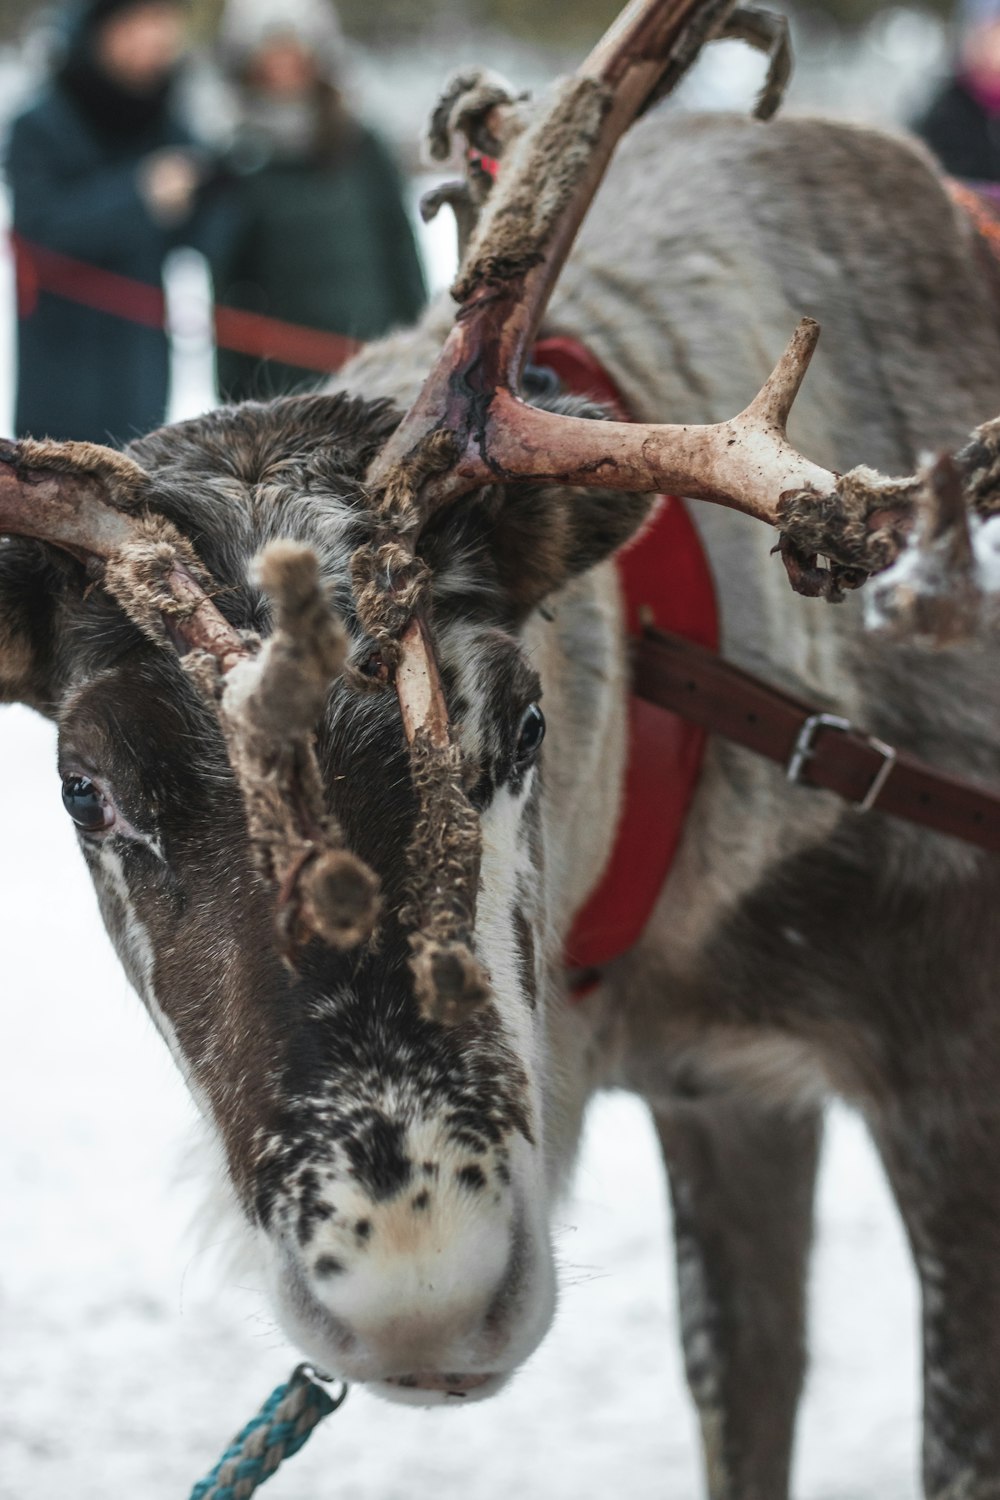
<point>698,685</point>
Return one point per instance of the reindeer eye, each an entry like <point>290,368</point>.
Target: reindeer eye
<point>86,804</point>
<point>530,737</point>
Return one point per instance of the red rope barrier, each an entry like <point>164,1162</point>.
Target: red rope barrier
<point>42,270</point>
<point>271,338</point>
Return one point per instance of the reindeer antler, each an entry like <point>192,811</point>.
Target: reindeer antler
<point>552,166</point>
<point>90,502</point>
<point>471,401</point>
<point>547,180</point>
<point>469,425</point>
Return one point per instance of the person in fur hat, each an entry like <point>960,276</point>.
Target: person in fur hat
<point>105,176</point>
<point>324,240</point>
<point>962,123</point>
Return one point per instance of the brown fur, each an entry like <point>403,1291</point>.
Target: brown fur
<point>397,502</point>
<point>389,586</point>
<point>465,107</point>
<point>550,535</point>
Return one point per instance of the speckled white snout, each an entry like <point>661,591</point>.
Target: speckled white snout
<point>442,1289</point>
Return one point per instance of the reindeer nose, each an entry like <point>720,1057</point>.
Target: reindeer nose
<point>421,1298</point>
<point>422,1292</point>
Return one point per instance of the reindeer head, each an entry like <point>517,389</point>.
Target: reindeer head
<point>337,865</point>
<point>381,1119</point>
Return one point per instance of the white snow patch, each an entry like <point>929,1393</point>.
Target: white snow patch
<point>926,571</point>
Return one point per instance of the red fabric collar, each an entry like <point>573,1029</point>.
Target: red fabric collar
<point>666,582</point>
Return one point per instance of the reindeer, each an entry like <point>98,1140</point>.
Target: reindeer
<point>341,803</point>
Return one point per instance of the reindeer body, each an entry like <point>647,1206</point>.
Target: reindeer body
<point>398,1176</point>
<point>800,947</point>
<point>797,946</point>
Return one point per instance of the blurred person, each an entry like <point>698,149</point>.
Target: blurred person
<point>962,122</point>
<point>102,172</point>
<point>323,237</point>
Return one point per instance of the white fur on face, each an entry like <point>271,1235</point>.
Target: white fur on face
<point>135,948</point>
<point>449,1271</point>
<point>509,881</point>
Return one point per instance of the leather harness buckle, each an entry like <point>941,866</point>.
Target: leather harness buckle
<point>805,748</point>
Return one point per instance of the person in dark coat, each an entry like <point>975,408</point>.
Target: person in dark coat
<point>324,240</point>
<point>962,123</point>
<point>102,176</point>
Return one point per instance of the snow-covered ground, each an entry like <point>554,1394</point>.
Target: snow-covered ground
<point>124,1366</point>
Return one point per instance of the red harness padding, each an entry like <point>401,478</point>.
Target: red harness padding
<point>665,581</point>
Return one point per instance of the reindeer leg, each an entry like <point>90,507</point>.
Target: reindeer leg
<point>741,1180</point>
<point>941,1148</point>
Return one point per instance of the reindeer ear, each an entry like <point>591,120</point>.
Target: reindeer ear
<point>30,585</point>
<point>545,536</point>
<point>48,491</point>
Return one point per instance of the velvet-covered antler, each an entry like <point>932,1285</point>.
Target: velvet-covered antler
<point>94,504</point>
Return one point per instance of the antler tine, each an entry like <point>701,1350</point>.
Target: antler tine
<point>746,462</point>
<point>772,406</point>
<point>59,493</point>
<point>268,708</point>
<point>861,521</point>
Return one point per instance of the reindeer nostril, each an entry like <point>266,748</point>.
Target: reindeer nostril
<point>328,1265</point>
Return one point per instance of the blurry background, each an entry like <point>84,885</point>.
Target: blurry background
<point>854,58</point>
<point>123,1367</point>
<point>858,57</point>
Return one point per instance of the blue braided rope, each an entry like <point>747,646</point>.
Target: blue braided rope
<point>281,1427</point>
